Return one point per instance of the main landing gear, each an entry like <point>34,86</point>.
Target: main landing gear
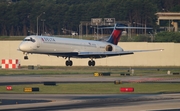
<point>91,63</point>
<point>69,62</point>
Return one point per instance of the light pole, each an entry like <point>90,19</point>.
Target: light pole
<point>43,20</point>
<point>97,31</point>
<point>37,22</point>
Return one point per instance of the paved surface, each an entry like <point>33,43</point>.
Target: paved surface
<point>79,102</point>
<point>121,102</point>
<point>82,78</point>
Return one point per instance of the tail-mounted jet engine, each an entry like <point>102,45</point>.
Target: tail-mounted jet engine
<point>109,48</point>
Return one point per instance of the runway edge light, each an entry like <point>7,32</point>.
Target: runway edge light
<point>8,88</point>
<point>127,89</point>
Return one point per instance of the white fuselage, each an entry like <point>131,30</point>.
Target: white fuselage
<point>48,45</point>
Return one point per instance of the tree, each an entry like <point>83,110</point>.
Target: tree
<point>167,37</point>
<point>20,16</point>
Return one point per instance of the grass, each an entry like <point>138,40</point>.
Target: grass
<point>12,37</point>
<point>96,88</point>
<point>48,70</point>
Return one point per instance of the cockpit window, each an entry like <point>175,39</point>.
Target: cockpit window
<point>26,39</point>
<point>29,39</point>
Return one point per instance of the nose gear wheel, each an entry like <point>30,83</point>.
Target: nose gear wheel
<point>25,57</point>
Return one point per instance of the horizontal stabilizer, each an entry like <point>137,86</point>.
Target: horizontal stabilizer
<point>125,27</point>
<point>120,26</point>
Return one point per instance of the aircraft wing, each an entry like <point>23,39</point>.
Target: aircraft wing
<point>114,53</point>
<point>105,53</point>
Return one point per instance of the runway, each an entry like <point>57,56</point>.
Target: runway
<point>80,78</point>
<point>87,102</point>
<point>77,102</point>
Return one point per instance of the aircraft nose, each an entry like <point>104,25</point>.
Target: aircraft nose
<point>23,47</point>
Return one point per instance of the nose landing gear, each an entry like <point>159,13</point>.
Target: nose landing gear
<point>25,57</point>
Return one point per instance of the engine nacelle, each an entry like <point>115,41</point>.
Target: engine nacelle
<point>109,48</point>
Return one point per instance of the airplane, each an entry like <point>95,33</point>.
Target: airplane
<point>77,48</point>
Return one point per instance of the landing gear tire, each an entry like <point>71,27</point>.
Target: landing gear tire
<point>91,63</point>
<point>69,63</point>
<point>25,57</point>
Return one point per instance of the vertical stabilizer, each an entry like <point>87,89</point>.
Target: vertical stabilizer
<point>115,36</point>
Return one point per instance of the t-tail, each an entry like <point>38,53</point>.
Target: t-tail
<point>115,36</point>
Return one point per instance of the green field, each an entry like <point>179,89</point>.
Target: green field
<point>50,70</point>
<point>96,88</point>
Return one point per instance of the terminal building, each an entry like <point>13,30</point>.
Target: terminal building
<point>172,17</point>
